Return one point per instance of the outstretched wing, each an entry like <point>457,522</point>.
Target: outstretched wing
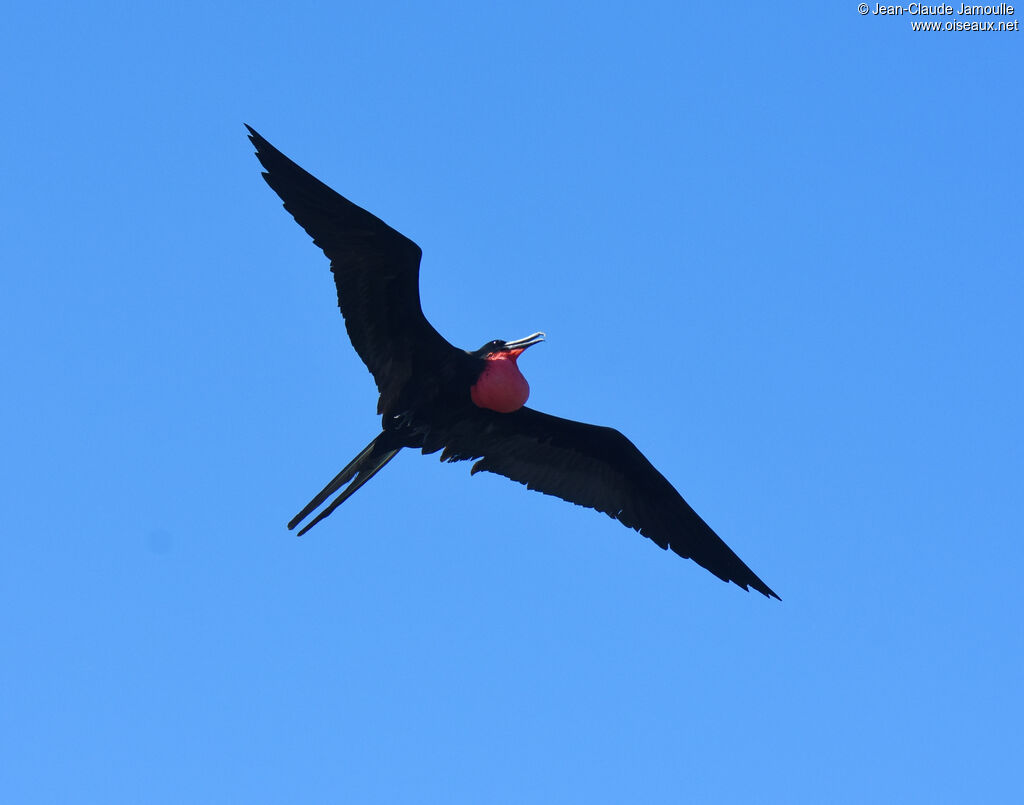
<point>376,271</point>
<point>596,467</point>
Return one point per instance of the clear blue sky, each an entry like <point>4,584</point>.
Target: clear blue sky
<point>779,247</point>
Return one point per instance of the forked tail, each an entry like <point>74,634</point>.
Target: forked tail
<point>363,467</point>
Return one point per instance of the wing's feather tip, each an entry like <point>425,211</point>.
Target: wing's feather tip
<point>763,588</point>
<point>256,138</point>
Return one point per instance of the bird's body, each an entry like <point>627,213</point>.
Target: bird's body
<point>470,405</point>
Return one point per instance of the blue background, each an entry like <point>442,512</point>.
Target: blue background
<point>779,247</point>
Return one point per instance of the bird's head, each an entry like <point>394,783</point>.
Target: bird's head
<point>498,349</point>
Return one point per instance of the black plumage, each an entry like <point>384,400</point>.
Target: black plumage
<point>424,384</point>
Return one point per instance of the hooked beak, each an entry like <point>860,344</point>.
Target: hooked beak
<point>520,344</point>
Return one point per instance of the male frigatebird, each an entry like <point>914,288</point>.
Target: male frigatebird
<point>470,405</point>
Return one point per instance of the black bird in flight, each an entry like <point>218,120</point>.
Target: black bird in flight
<point>470,404</point>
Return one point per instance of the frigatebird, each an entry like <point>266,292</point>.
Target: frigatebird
<point>470,405</point>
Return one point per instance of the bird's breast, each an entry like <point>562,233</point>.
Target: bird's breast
<point>501,387</point>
